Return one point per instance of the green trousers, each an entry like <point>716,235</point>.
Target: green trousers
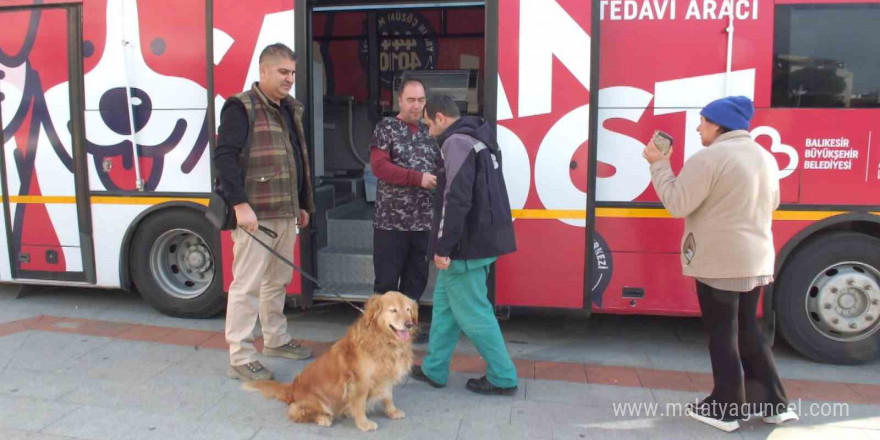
<point>461,303</point>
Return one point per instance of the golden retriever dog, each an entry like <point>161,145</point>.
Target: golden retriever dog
<point>358,371</point>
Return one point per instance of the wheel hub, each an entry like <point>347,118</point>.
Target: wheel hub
<point>844,301</point>
<point>197,259</point>
<point>182,264</point>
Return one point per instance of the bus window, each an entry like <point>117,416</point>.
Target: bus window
<point>826,56</point>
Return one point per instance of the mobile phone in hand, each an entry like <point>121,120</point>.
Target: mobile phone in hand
<point>663,141</point>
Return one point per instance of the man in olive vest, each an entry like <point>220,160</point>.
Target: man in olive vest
<point>271,186</point>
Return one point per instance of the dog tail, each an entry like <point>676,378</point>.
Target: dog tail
<point>270,389</point>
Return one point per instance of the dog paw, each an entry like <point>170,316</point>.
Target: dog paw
<point>395,414</point>
<point>367,425</point>
<point>324,421</point>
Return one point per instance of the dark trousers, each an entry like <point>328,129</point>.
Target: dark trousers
<point>742,362</point>
<point>400,262</point>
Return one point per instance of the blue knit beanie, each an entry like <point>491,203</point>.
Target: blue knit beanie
<point>733,112</point>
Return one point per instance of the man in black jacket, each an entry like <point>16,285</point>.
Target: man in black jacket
<point>472,226</point>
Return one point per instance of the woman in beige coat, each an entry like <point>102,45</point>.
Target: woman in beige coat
<point>727,193</point>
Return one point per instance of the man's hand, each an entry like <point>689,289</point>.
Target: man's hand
<point>303,219</point>
<point>442,263</point>
<point>653,154</point>
<point>246,217</point>
<point>429,181</point>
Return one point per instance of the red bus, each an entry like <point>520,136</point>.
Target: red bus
<point>109,110</point>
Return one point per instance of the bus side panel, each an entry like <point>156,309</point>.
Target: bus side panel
<point>833,153</point>
<point>666,291</point>
<point>164,67</point>
<point>659,67</point>
<point>111,221</point>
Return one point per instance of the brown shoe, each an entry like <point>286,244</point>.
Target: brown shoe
<point>290,350</point>
<point>248,372</point>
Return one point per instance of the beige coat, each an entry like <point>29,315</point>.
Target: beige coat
<point>727,194</point>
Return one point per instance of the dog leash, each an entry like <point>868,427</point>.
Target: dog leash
<point>308,276</point>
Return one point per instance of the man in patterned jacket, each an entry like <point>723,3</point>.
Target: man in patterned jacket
<point>405,159</point>
<point>273,188</point>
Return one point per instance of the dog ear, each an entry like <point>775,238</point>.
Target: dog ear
<point>373,308</point>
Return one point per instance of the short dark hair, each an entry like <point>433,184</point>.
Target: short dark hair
<point>409,81</point>
<point>277,50</point>
<point>442,104</point>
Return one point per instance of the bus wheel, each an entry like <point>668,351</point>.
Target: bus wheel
<point>828,299</point>
<point>174,264</point>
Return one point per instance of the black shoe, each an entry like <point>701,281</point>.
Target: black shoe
<point>483,386</point>
<point>417,374</point>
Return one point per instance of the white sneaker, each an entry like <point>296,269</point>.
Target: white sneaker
<point>782,418</point>
<point>726,426</point>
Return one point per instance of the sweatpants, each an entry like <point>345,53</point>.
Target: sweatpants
<point>461,304</point>
<point>742,362</point>
<point>400,262</point>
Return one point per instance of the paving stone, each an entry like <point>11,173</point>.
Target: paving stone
<point>93,423</point>
<point>53,352</point>
<point>671,397</point>
<point>28,414</point>
<point>579,421</point>
<point>7,434</point>
<point>411,427</point>
<point>249,409</point>
<point>184,401</point>
<point>476,430</point>
<point>447,405</point>
<point>837,414</point>
<point>91,367</point>
<point>761,431</point>
<point>120,350</point>
<point>585,394</point>
<point>206,378</point>
<point>37,384</point>
<point>94,388</point>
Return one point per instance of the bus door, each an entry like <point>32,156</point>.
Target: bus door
<point>358,57</point>
<point>46,227</point>
<point>547,73</point>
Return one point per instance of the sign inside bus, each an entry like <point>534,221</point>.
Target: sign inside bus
<point>407,41</point>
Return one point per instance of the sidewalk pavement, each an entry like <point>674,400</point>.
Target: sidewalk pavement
<point>94,366</point>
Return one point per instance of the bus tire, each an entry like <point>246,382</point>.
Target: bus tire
<point>828,299</point>
<point>175,257</point>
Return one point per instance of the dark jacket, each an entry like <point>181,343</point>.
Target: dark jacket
<point>472,216</point>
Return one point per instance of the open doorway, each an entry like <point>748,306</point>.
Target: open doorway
<point>359,57</point>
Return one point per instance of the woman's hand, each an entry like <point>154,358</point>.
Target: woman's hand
<point>653,154</point>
